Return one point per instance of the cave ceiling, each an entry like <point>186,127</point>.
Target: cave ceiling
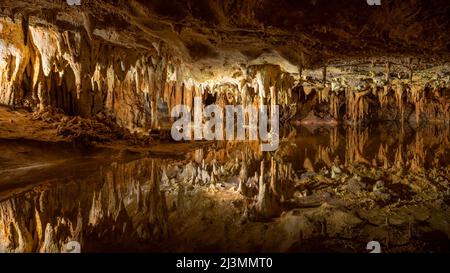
<point>218,38</point>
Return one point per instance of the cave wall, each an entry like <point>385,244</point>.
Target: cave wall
<point>44,66</point>
<point>424,100</point>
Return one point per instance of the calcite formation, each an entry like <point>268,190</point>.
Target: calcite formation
<point>87,91</point>
<point>79,63</point>
<point>81,77</point>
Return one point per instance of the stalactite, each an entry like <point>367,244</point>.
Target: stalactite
<point>399,90</point>
<point>100,83</point>
<point>74,71</point>
<point>418,100</point>
<point>357,106</point>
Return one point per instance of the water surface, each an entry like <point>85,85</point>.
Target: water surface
<point>325,189</point>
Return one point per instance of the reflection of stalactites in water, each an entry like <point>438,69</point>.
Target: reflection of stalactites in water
<point>267,205</point>
<point>103,208</point>
<point>356,143</point>
<point>243,179</point>
<point>272,187</point>
<point>324,155</point>
<point>334,139</point>
<point>429,147</point>
<point>399,157</point>
<point>158,207</point>
<point>382,156</point>
<point>418,157</point>
<point>96,211</point>
<point>387,145</point>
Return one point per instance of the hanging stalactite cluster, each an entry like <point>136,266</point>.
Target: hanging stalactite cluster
<point>42,67</point>
<point>373,100</point>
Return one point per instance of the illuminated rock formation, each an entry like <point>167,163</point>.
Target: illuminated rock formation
<point>84,63</point>
<point>364,99</point>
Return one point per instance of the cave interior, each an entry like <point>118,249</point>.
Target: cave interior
<point>88,154</point>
